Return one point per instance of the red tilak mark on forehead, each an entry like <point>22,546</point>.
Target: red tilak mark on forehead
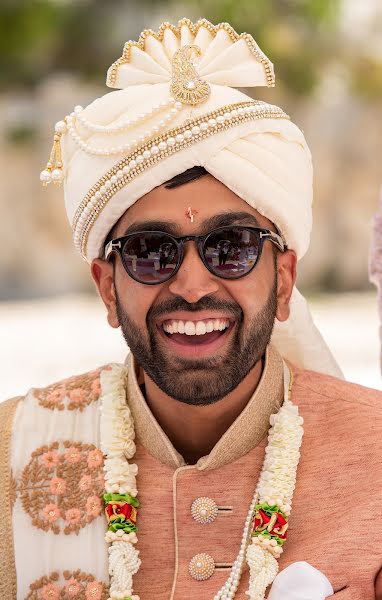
<point>190,213</point>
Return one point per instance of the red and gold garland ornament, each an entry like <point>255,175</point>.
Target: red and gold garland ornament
<point>121,512</point>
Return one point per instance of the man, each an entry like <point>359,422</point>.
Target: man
<point>218,376</point>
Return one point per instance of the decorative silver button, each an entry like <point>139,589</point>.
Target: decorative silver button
<point>201,566</point>
<point>204,510</point>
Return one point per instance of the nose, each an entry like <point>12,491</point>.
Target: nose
<point>193,280</point>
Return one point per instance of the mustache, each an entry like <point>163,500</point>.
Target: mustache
<point>205,303</point>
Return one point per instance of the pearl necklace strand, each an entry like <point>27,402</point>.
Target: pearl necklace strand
<point>121,149</point>
<point>54,172</point>
<point>275,487</point>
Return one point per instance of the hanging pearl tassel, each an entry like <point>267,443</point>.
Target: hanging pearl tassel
<point>124,562</point>
<point>263,569</point>
<point>53,171</point>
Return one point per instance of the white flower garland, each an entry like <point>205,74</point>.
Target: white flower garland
<point>117,444</point>
<point>273,493</point>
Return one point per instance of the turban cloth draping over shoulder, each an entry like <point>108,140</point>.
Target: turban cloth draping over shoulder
<point>177,107</point>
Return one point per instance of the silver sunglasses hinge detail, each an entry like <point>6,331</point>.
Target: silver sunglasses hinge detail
<point>110,247</point>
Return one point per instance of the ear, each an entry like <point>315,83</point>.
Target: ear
<point>286,278</point>
<point>103,275</point>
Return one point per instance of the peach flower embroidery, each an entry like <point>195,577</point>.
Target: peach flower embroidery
<point>72,455</point>
<point>67,585</point>
<point>95,459</point>
<point>56,396</point>
<point>93,506</point>
<point>57,486</point>
<point>94,590</point>
<point>61,487</point>
<point>50,459</point>
<point>101,480</point>
<point>50,592</point>
<point>96,387</point>
<point>72,588</point>
<point>77,396</point>
<point>72,516</point>
<point>74,393</point>
<point>51,512</point>
<point>85,482</point>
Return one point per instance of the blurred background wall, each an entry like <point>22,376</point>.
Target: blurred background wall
<point>328,61</point>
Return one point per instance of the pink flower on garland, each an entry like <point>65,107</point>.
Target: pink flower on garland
<point>50,592</point>
<point>94,590</point>
<point>73,587</point>
<point>93,506</point>
<point>72,516</point>
<point>51,512</point>
<point>50,459</point>
<point>72,455</point>
<point>95,459</point>
<point>57,486</point>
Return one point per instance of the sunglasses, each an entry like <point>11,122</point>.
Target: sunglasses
<point>153,257</point>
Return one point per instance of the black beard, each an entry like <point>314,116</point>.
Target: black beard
<point>200,382</point>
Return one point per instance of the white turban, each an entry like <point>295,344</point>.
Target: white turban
<point>171,114</point>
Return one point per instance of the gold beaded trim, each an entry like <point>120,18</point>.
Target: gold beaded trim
<point>94,206</point>
<point>194,28</point>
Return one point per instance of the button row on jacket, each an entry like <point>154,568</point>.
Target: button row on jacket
<point>201,566</point>
<point>204,510</point>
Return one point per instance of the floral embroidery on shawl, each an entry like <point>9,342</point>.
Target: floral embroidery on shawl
<point>62,485</point>
<point>71,585</point>
<point>74,393</point>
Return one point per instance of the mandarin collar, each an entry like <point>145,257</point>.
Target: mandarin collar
<point>244,434</point>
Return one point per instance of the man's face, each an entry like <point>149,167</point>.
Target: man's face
<point>196,369</point>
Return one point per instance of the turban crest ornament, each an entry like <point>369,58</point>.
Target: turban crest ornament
<point>165,57</point>
<point>186,85</point>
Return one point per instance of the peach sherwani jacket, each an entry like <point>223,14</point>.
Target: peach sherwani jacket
<point>51,483</point>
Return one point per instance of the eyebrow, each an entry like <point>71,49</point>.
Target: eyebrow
<point>220,220</point>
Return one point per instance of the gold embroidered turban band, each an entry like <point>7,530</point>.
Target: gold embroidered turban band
<point>177,107</point>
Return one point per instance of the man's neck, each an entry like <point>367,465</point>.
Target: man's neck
<point>194,430</point>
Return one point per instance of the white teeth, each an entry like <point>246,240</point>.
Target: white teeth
<point>189,328</point>
<point>200,328</point>
<point>195,328</point>
<point>210,326</point>
<point>216,324</point>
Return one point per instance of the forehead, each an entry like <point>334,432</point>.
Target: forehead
<point>206,196</point>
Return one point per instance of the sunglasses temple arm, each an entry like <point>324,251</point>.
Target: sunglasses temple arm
<point>110,247</point>
<point>276,239</point>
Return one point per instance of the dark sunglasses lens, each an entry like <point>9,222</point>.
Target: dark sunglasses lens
<point>150,257</point>
<point>232,252</point>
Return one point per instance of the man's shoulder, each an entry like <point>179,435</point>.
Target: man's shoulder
<point>333,390</point>
<point>72,393</point>
<point>7,411</point>
<point>339,409</point>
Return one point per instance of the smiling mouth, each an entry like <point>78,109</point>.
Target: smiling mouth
<point>196,333</point>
